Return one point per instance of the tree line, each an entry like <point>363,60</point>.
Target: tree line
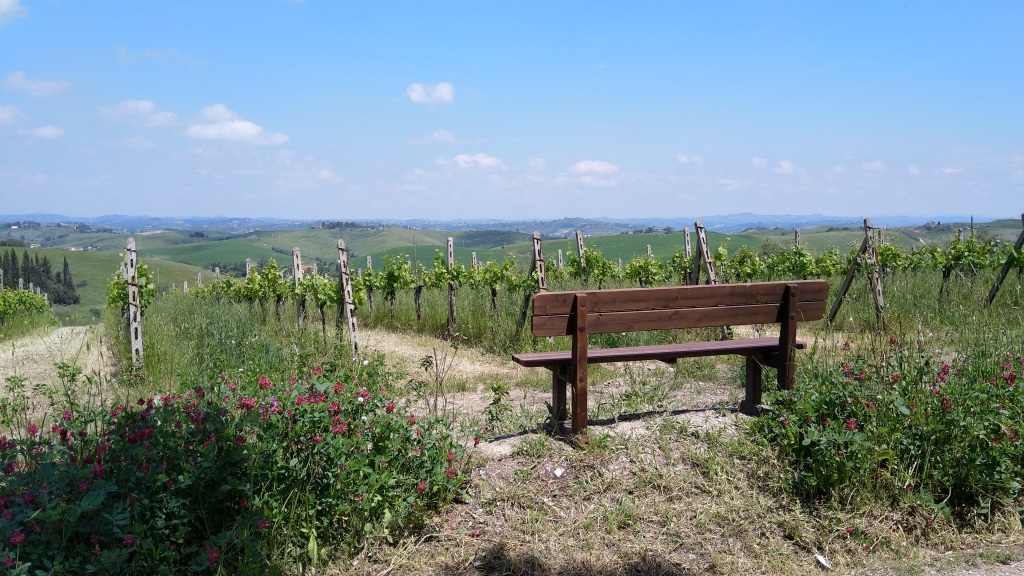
<point>60,285</point>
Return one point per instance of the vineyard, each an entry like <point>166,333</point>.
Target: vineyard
<point>294,448</point>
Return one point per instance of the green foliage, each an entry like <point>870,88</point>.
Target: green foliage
<point>117,290</point>
<point>250,476</point>
<point>22,311</point>
<point>909,426</point>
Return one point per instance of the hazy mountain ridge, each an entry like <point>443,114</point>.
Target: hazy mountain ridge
<point>725,223</point>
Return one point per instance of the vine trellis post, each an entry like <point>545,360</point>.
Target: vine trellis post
<point>865,255</point>
<point>537,265</point>
<point>134,311</point>
<point>1006,265</point>
<point>300,302</point>
<point>451,289</point>
<point>345,279</point>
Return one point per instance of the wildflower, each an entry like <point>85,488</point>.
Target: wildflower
<point>33,430</point>
<point>412,419</point>
<point>318,371</point>
<point>869,404</point>
<point>358,497</point>
<point>785,421</point>
<point>476,441</point>
<point>17,538</point>
<point>840,455</point>
<point>213,555</point>
<point>83,485</point>
<point>895,378</point>
<point>263,524</point>
<point>851,424</point>
<point>389,408</point>
<point>422,486</point>
<point>66,416</point>
<point>846,345</point>
<point>451,455</point>
<point>129,540</point>
<point>451,473</point>
<point>265,383</point>
<point>850,529</point>
<point>316,439</point>
<point>366,362</point>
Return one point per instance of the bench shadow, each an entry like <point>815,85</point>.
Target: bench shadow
<point>547,429</point>
<point>498,560</point>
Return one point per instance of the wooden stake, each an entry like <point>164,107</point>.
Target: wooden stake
<point>131,275</point>
<point>451,290</point>
<point>560,264</point>
<point>349,302</point>
<point>686,242</point>
<point>300,301</point>
<point>1006,265</point>
<point>579,249</point>
<point>248,267</point>
<point>537,265</point>
<point>874,279</point>
<point>796,237</point>
<point>841,295</point>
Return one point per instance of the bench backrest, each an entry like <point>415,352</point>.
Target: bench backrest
<point>665,308</point>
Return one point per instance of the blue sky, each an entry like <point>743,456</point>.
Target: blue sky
<point>349,110</point>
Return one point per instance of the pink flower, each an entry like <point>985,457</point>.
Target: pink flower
<point>422,486</point>
<point>66,416</point>
<point>451,455</point>
<point>33,430</point>
<point>17,538</point>
<point>450,472</point>
<point>412,419</point>
<point>895,377</point>
<point>318,371</point>
<point>263,524</point>
<point>389,408</point>
<point>129,540</point>
<point>850,529</point>
<point>212,556</point>
<point>265,383</point>
<point>851,424</point>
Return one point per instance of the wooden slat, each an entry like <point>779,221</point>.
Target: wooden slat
<point>643,320</point>
<point>662,352</point>
<point>678,297</point>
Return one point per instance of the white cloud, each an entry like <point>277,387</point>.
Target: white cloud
<point>594,166</point>
<point>478,160</point>
<point>839,169</point>
<point>441,136</point>
<point>688,160</point>
<point>224,124</point>
<point>9,10</point>
<point>758,162</point>
<point>949,170</point>
<point>913,170</point>
<point>873,166</point>
<point>10,114</point>
<point>48,132</point>
<point>787,168</point>
<point>597,182</point>
<point>327,175</point>
<point>536,164</point>
<point>443,93</point>
<point>18,82</point>
<point>141,112</point>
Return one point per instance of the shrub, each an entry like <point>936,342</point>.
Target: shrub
<point>910,426</point>
<point>244,476</point>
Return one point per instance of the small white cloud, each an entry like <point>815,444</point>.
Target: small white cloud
<point>48,132</point>
<point>442,93</point>
<point>224,124</point>
<point>593,166</point>
<point>758,162</point>
<point>327,175</point>
<point>439,136</point>
<point>873,166</point>
<point>536,164</point>
<point>141,112</point>
<point>949,170</point>
<point>18,82</point>
<point>729,184</point>
<point>689,160</point>
<point>913,170</point>
<point>597,182</point>
<point>787,168</point>
<point>10,114</point>
<point>478,160</point>
<point>9,10</point>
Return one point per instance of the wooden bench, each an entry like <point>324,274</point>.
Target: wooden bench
<point>581,313</point>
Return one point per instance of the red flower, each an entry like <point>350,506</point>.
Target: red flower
<point>129,540</point>
<point>451,455</point>
<point>17,538</point>
<point>850,529</point>
<point>451,473</point>
<point>851,424</point>
<point>422,486</point>
<point>895,377</point>
<point>263,524</point>
<point>318,371</point>
<point>412,419</point>
<point>33,430</point>
<point>265,383</point>
<point>389,408</point>
<point>212,556</point>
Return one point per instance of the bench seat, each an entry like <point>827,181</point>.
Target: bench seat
<point>663,352</point>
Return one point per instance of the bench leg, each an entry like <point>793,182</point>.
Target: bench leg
<point>750,404</point>
<point>559,380</point>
